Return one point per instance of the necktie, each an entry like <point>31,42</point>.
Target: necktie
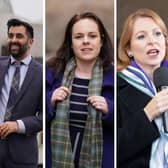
<point>13,91</point>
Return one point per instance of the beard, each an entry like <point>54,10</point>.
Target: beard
<point>19,51</point>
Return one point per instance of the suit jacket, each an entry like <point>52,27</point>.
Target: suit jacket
<point>28,108</point>
<point>135,132</point>
<point>107,120</point>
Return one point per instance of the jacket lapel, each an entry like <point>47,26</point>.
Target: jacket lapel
<point>28,78</point>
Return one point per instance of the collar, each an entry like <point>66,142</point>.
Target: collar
<point>26,61</point>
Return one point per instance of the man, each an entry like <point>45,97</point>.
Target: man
<point>20,99</point>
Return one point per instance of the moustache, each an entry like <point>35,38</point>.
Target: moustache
<point>14,43</point>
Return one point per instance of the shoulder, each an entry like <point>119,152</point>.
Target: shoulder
<point>164,63</point>
<point>108,76</point>
<point>123,86</point>
<point>37,65</point>
<point>4,61</point>
<point>121,82</point>
<point>51,77</point>
<point>4,58</point>
<point>124,89</point>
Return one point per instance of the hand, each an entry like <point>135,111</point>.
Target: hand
<point>8,127</point>
<point>157,105</point>
<point>99,103</point>
<point>59,94</point>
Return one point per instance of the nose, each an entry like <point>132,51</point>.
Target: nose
<point>85,40</point>
<point>13,39</point>
<point>151,39</point>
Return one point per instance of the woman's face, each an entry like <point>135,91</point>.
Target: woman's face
<point>148,44</point>
<point>86,40</point>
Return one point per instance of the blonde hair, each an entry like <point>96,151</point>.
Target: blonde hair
<point>124,43</point>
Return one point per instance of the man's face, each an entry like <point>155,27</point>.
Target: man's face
<point>19,42</point>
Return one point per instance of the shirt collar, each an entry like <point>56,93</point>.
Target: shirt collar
<point>25,61</point>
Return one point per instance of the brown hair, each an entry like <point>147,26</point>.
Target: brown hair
<point>65,52</point>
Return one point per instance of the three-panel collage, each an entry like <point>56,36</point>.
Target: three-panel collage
<point>83,84</point>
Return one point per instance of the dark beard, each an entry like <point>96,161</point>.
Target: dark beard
<point>20,52</point>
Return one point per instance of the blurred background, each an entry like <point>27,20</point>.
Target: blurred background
<point>124,8</point>
<point>32,12</point>
<point>58,13</point>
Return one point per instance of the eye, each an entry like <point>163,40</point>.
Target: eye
<point>78,37</point>
<point>93,35</point>
<point>157,33</point>
<point>10,35</point>
<point>19,35</point>
<point>141,37</point>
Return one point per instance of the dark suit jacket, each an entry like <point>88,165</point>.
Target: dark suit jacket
<point>28,107</point>
<point>135,132</point>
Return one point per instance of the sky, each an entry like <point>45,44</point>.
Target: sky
<point>29,9</point>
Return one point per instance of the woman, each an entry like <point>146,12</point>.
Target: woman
<point>79,82</point>
<point>143,48</point>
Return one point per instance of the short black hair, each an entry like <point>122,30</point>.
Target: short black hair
<point>16,22</point>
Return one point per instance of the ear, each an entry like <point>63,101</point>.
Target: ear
<point>31,42</point>
<point>129,53</point>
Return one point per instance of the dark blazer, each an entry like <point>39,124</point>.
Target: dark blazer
<point>135,132</point>
<point>28,108</point>
<point>107,120</point>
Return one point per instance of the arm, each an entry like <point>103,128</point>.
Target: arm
<point>33,124</point>
<point>50,110</point>
<point>108,94</point>
<point>51,84</point>
<point>135,132</point>
<point>28,110</point>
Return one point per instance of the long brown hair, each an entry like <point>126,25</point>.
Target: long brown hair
<point>65,52</point>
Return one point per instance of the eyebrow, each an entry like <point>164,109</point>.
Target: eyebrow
<point>14,33</point>
<point>143,31</point>
<point>84,33</point>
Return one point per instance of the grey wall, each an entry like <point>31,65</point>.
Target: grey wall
<point>125,7</point>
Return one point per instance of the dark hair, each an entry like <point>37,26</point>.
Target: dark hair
<point>16,22</point>
<point>65,52</point>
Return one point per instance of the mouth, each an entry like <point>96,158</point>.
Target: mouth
<point>13,47</point>
<point>86,49</point>
<point>153,52</point>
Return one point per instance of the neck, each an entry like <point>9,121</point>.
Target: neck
<point>84,69</point>
<point>150,71</point>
